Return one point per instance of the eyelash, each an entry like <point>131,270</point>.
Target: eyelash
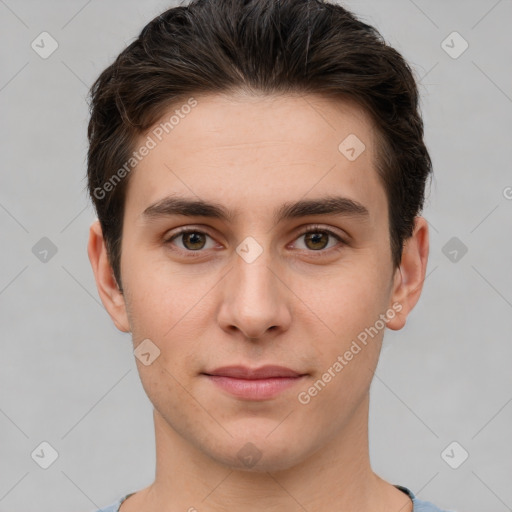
<point>310,229</point>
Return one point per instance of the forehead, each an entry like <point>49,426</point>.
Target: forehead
<point>229,122</point>
<point>250,151</point>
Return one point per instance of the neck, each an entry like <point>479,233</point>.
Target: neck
<point>337,476</point>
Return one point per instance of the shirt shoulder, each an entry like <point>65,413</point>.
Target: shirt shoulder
<point>420,505</point>
<point>426,506</point>
<point>114,507</point>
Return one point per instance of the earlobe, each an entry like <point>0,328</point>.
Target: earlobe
<point>111,296</point>
<point>409,277</point>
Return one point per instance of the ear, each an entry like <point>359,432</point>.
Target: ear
<point>110,295</point>
<point>409,278</point>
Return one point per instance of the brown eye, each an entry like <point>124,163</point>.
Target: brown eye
<point>318,240</point>
<point>191,240</point>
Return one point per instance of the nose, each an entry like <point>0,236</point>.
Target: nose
<point>255,300</point>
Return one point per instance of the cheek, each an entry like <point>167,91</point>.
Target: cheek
<point>169,308</point>
<point>158,297</point>
<point>349,314</point>
<point>347,355</point>
<point>349,297</point>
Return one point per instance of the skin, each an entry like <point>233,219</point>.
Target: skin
<point>300,304</point>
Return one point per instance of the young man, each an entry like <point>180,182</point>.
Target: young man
<point>258,168</point>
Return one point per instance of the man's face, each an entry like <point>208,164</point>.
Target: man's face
<point>259,288</point>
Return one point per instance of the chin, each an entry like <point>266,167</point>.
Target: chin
<point>256,454</point>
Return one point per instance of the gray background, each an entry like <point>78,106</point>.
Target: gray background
<point>69,377</point>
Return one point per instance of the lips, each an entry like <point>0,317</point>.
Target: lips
<point>257,384</point>
<point>265,372</point>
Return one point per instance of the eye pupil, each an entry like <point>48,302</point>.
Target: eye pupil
<point>193,238</point>
<point>314,237</point>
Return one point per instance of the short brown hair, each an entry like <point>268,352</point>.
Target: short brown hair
<point>261,47</point>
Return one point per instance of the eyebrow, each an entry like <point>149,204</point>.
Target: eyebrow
<point>329,205</point>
